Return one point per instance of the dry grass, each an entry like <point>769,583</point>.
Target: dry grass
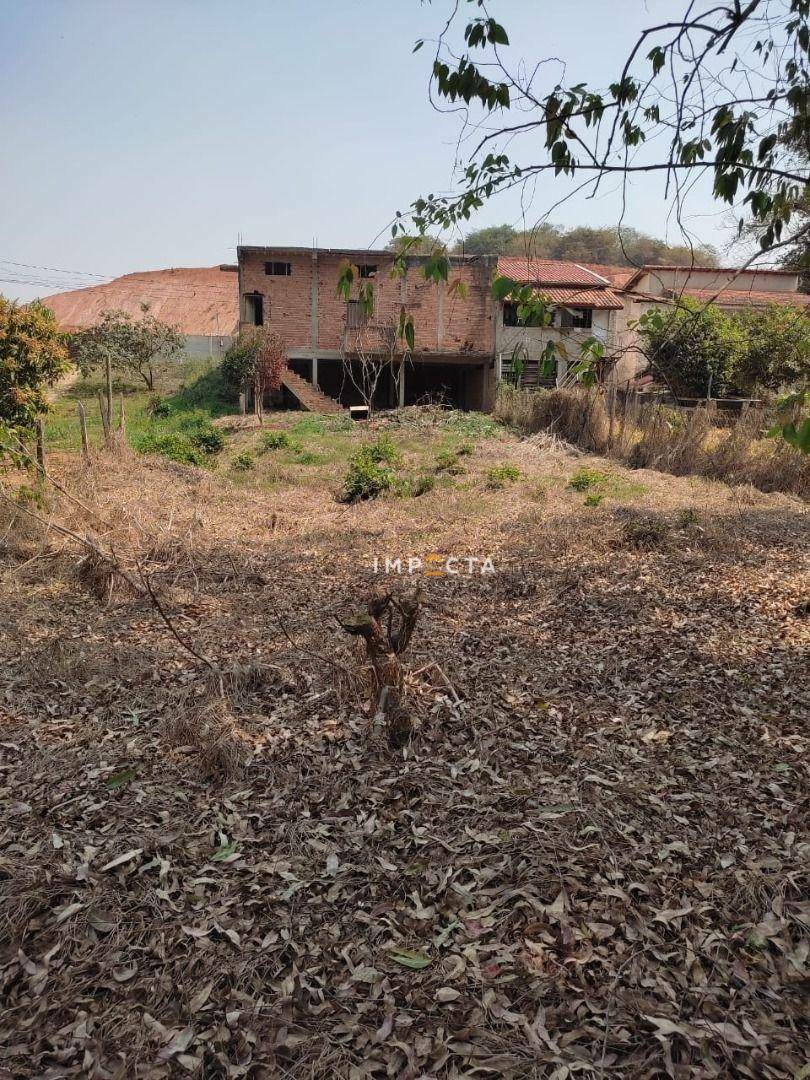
<point>634,669</point>
<point>680,441</point>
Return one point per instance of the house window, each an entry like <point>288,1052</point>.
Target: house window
<point>355,314</point>
<point>254,309</point>
<point>576,318</point>
<point>510,316</point>
<point>278,269</point>
<point>368,270</point>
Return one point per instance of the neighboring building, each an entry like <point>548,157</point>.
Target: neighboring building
<point>293,290</point>
<point>650,287</point>
<point>585,305</point>
<point>464,339</point>
<point>201,302</point>
<point>462,335</point>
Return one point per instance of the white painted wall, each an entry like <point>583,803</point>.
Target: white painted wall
<point>656,281</point>
<point>532,340</point>
<point>198,346</point>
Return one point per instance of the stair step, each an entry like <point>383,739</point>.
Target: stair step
<point>309,397</point>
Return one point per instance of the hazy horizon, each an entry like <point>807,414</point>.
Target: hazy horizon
<point>149,135</point>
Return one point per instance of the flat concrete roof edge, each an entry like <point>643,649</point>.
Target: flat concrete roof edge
<point>259,249</point>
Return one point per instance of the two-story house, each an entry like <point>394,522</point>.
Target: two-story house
<point>463,337</point>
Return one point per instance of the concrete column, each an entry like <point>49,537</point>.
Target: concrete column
<point>401,385</point>
<point>440,316</point>
<point>313,318</point>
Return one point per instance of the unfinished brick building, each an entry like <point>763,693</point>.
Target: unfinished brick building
<point>294,290</point>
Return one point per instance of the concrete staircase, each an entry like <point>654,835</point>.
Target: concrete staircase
<point>308,396</point>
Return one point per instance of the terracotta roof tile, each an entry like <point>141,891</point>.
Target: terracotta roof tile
<point>195,300</point>
<point>547,272</point>
<point>605,299</point>
<point>751,297</point>
<point>618,276</point>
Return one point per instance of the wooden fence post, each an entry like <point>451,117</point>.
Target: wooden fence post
<point>83,430</point>
<point>40,446</point>
<point>108,367</point>
<point>105,423</point>
<point>122,421</point>
<point>611,414</point>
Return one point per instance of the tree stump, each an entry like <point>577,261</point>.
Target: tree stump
<point>386,629</point>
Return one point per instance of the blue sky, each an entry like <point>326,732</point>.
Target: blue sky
<point>142,134</point>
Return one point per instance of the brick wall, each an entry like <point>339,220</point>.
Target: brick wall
<point>444,323</point>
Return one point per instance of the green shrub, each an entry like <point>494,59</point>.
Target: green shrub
<point>366,477</point>
<point>501,475</point>
<point>412,488</point>
<point>307,457</point>
<point>197,428</point>
<point>174,445</point>
<point>465,450</point>
<point>447,461</point>
<point>243,462</point>
<point>275,440</point>
<point>238,364</point>
<point>593,498</point>
<point>158,408</point>
<point>696,347</point>
<point>382,450</point>
<point>208,439</point>
<point>587,478</point>
<point>475,425</point>
<point>423,484</point>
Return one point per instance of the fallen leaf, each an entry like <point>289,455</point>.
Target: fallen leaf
<point>126,857</point>
<point>119,779</point>
<point>101,920</point>
<point>410,958</point>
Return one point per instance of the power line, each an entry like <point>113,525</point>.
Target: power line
<point>39,281</point>
<point>145,288</point>
<point>57,270</point>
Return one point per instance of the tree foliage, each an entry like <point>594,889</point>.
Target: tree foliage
<point>584,243</point>
<point>414,245</point>
<point>136,347</point>
<point>777,349</point>
<point>32,357</point>
<point>696,348</point>
<point>717,89</point>
<point>256,361</point>
<point>702,351</point>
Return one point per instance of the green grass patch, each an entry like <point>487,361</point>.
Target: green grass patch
<point>411,487</point>
<point>174,420</point>
<point>318,424</point>
<point>243,462</point>
<point>604,484</point>
<point>448,462</point>
<point>276,440</point>
<point>501,475</point>
<point>308,457</point>
<point>474,425</point>
<point>584,479</point>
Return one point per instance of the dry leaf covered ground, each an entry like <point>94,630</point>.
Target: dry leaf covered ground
<point>589,860</point>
